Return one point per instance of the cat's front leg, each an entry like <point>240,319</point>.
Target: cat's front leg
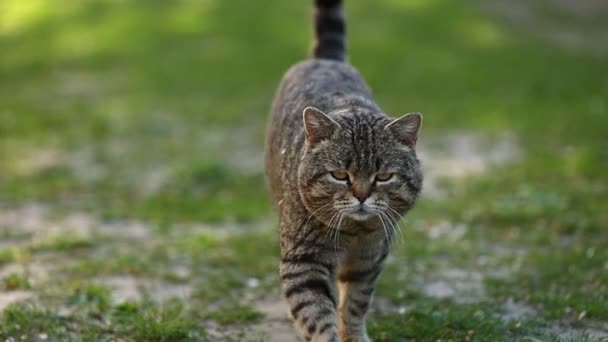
<point>357,282</point>
<point>308,282</point>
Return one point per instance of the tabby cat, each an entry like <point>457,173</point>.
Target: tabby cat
<point>341,174</point>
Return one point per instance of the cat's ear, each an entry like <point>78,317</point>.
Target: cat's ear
<point>406,128</point>
<point>317,125</point>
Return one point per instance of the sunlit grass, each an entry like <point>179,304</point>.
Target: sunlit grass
<point>19,15</point>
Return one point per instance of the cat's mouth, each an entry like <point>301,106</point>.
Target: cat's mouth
<point>360,214</point>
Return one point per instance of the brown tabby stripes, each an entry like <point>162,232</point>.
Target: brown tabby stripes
<point>341,174</point>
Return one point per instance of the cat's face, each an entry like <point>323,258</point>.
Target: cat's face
<point>360,166</point>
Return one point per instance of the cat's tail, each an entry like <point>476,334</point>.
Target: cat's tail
<point>330,30</point>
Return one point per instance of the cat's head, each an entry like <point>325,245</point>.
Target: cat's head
<point>359,165</point>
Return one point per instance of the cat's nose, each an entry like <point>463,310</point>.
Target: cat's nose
<point>360,197</point>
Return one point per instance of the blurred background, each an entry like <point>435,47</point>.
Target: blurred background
<point>132,197</point>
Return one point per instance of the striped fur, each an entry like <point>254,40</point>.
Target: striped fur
<point>335,233</point>
<point>330,30</point>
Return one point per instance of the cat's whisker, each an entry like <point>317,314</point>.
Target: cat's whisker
<point>330,226</point>
<point>398,219</point>
<point>396,226</point>
<point>338,230</point>
<point>335,232</point>
<point>395,221</point>
<point>314,212</point>
<point>335,228</point>
<point>387,225</point>
<point>394,211</point>
<point>401,217</point>
<point>383,225</point>
<point>390,225</point>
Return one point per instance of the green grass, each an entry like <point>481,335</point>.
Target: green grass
<point>15,281</point>
<point>153,112</point>
<point>8,255</point>
<point>433,323</point>
<point>135,321</point>
<point>63,243</point>
<point>235,314</point>
<point>153,324</point>
<point>91,294</point>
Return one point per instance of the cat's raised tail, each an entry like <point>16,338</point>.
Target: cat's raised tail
<point>330,30</point>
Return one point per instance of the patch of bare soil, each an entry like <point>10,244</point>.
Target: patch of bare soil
<point>458,155</point>
<point>38,221</point>
<point>34,223</point>
<point>128,288</point>
<point>35,273</point>
<point>462,286</point>
<point>567,333</point>
<point>516,311</point>
<point>276,326</point>
<point>9,297</point>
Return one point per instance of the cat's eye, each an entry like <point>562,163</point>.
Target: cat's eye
<point>340,175</point>
<point>384,176</point>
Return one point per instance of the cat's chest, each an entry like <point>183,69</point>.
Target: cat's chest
<point>361,237</point>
